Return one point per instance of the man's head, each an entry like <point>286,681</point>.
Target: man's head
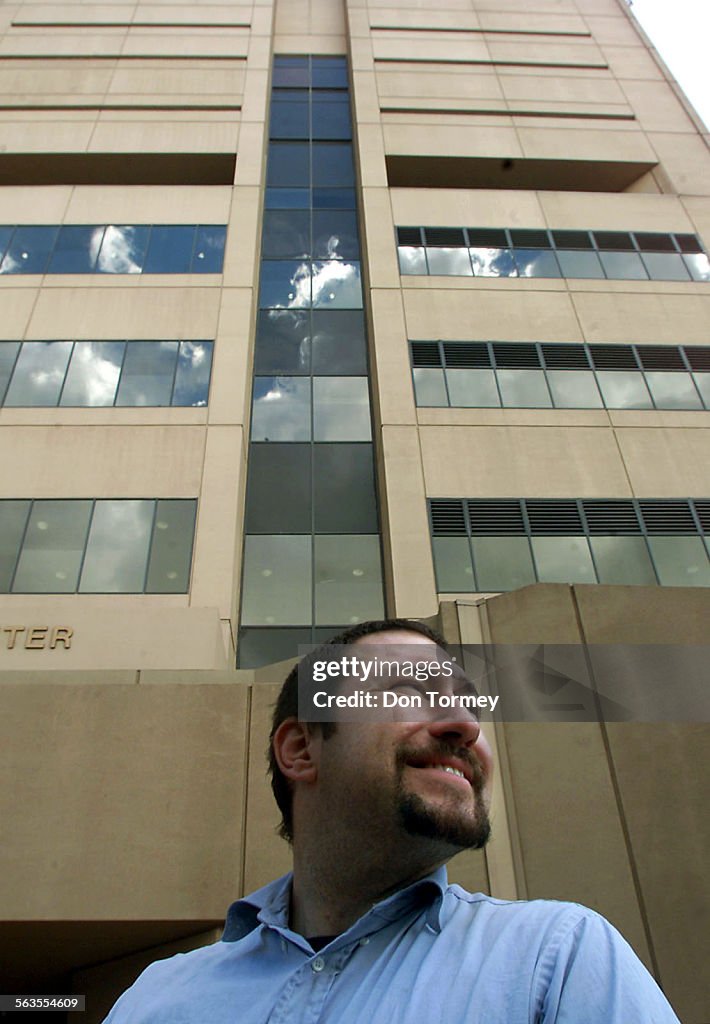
<point>426,778</point>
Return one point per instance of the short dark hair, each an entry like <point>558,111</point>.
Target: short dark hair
<point>287,703</point>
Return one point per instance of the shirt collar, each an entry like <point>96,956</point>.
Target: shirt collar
<point>270,906</point>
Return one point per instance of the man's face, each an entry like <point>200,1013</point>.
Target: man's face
<point>427,778</point>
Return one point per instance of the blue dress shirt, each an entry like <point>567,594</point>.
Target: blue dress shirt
<point>430,953</point>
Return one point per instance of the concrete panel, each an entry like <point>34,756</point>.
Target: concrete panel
<point>608,212</point>
<point>458,207</point>
<point>631,62</point>
<point>16,308</point>
<point>612,30</point>
<point>146,204</point>
<point>698,210</point>
<point>439,85</point>
<point>636,615</point>
<point>532,50</point>
<point>448,140</point>
<point>585,144</point>
<point>541,614</point>
<point>111,136</point>
<point>649,317</point>
<point>122,462</point>
<point>217,539</point>
<point>391,369</point>
<point>666,462</point>
<point>266,855</point>
<point>406,526</point>
<point>230,394</point>
<point>46,135</point>
<point>429,18</point>
<point>569,827</point>
<point>686,160</point>
<point>663,775</point>
<point>517,461</point>
<point>150,837</point>
<point>502,314</point>
<point>141,313</point>
<point>656,107</point>
<point>422,45</point>
<point>380,237</point>
<point>225,79</point>
<point>580,89</point>
<point>370,156</point>
<point>242,248</point>
<point>113,632</point>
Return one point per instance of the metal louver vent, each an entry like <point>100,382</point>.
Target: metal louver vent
<point>447,518</point>
<point>409,236</point>
<point>698,356</point>
<point>611,517</point>
<point>467,354</point>
<point>516,354</point>
<point>444,236</point>
<point>667,517</point>
<point>495,517</point>
<point>554,517</point>
<point>660,357</point>
<point>702,509</point>
<point>613,357</point>
<point>426,353</point>
<point>565,356</point>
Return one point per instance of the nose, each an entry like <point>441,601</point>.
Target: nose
<point>465,729</point>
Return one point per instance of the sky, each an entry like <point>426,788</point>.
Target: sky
<point>680,31</point>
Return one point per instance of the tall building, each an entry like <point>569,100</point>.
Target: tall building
<point>315,310</point>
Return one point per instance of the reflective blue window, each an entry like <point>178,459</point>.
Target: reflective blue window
<point>289,164</point>
<point>288,198</point>
<point>8,355</point>
<point>76,249</point>
<point>331,120</point>
<point>334,199</point>
<point>289,119</point>
<point>333,164</point>
<point>29,250</point>
<point>170,249</point>
<point>208,255</point>
<point>285,284</point>
<point>123,249</point>
<point>192,378</point>
<point>5,236</point>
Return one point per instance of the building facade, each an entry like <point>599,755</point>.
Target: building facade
<point>312,311</point>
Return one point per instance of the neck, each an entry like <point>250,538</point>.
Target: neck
<point>335,883</point>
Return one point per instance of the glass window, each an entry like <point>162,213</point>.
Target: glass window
<point>698,265</point>
<point>412,259</point>
<point>336,285</point>
<point>282,342</point>
<point>348,578</point>
<point>331,120</point>
<point>472,388</point>
<point>8,355</point>
<point>680,561</point>
<point>430,386</point>
<point>279,489</point>
<point>502,563</point>
<point>702,382</point>
<point>338,338</point>
<point>285,284</point>
<point>208,255</point>
<point>52,549</point>
<point>665,266</point>
<point>76,250</point>
<point>344,488</point>
<point>148,372</point>
<point>333,164</point>
<point>29,250</point>
<point>574,389</point>
<point>282,409</point>
<point>171,550</point>
<point>286,233</point>
<point>341,409</point>
<point>192,380</point>
<point>170,249</point>
<point>117,551</point>
<point>289,119</point>
<point>277,581</point>
<point>623,266</point>
<point>335,234</point>
<point>455,262</point>
<point>624,389</point>
<point>13,516</point>
<point>289,164</point>
<point>290,77</point>
<point>123,249</point>
<point>5,236</point>
<point>334,199</point>
<point>524,389</point>
<point>622,560</point>
<point>39,373</point>
<point>536,263</point>
<point>323,77</point>
<point>452,561</point>
<point>288,199</point>
<point>673,390</point>
<point>264,646</point>
<point>493,263</point>
<point>93,373</point>
<point>563,560</point>
<point>579,264</point>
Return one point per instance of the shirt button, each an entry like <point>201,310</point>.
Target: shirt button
<point>318,964</point>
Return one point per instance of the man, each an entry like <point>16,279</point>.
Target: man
<point>366,928</point>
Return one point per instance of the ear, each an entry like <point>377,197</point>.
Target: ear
<point>296,750</point>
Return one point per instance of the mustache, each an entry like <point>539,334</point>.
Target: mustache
<point>440,748</point>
